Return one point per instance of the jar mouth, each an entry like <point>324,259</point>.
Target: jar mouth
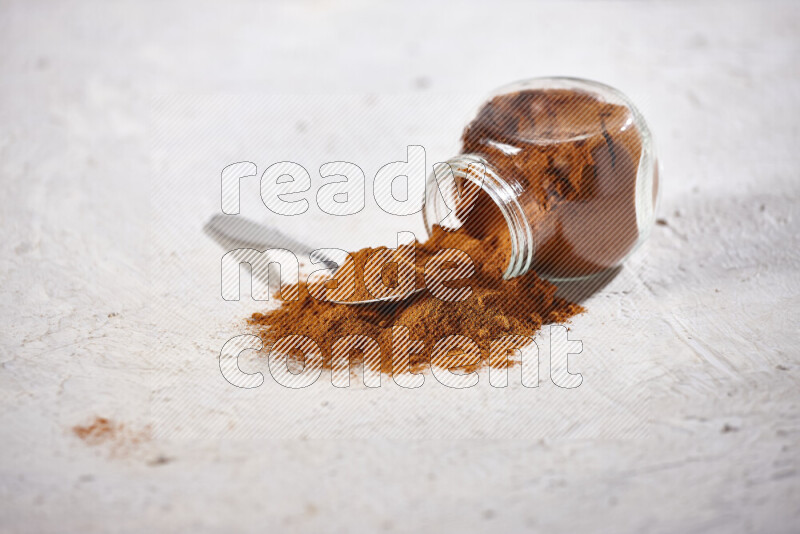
<point>469,167</point>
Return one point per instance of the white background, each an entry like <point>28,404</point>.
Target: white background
<point>689,416</point>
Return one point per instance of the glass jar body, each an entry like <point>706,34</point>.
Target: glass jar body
<point>568,178</point>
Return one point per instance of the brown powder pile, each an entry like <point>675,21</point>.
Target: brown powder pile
<point>495,308</point>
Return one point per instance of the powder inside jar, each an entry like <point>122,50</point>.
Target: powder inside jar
<point>572,160</point>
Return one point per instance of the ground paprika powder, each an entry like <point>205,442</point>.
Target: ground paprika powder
<point>573,163</point>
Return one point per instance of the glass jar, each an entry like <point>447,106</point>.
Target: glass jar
<point>568,180</point>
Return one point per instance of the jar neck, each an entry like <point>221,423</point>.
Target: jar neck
<point>475,169</point>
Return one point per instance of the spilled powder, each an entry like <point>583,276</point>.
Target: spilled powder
<point>98,431</point>
<point>104,431</point>
<point>495,308</point>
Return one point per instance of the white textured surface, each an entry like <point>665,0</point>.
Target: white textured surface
<point>705,319</point>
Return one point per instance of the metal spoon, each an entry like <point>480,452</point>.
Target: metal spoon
<point>237,232</point>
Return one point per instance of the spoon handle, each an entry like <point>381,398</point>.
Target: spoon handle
<point>234,231</point>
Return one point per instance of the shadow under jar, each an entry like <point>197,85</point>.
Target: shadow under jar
<point>568,182</point>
